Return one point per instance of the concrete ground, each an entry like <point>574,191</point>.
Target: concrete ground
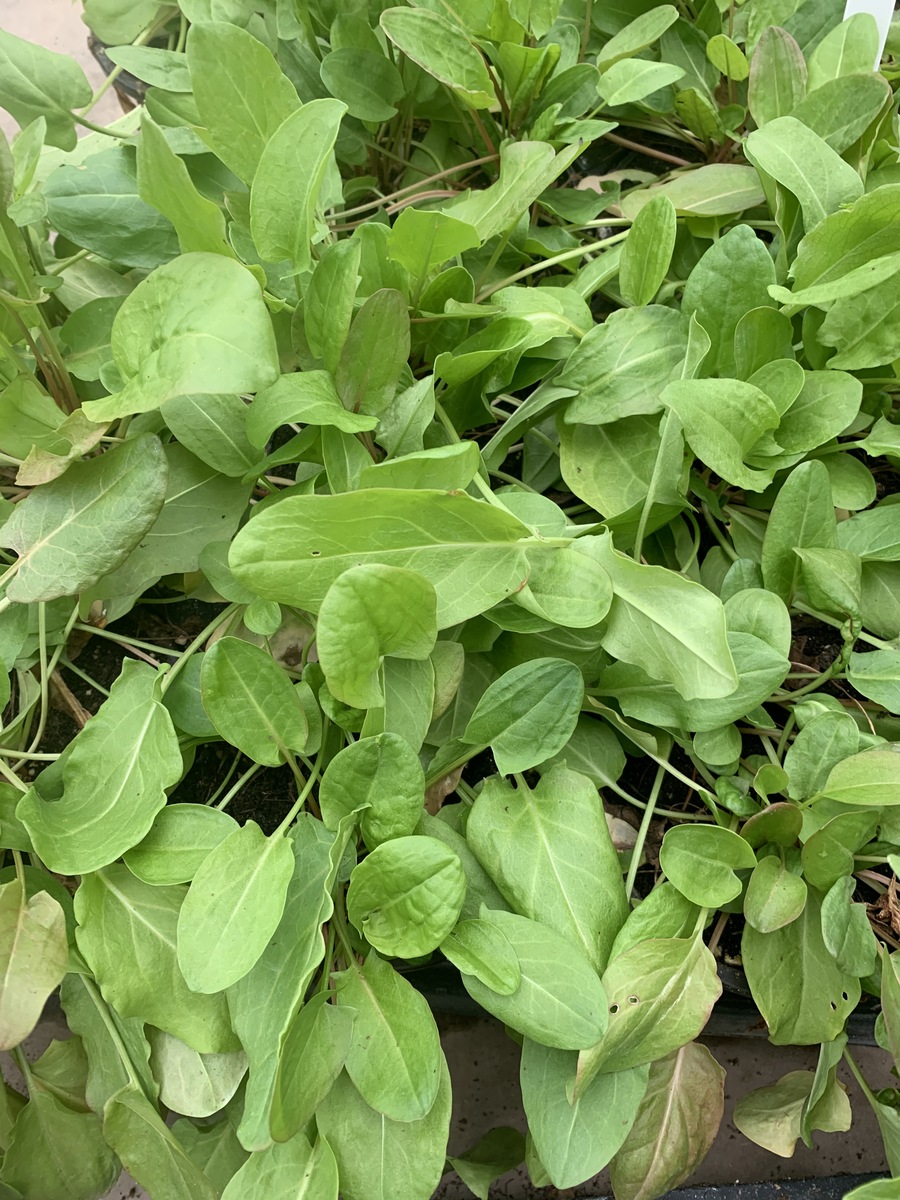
<point>483,1061</point>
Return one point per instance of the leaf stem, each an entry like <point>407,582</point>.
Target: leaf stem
<point>644,829</point>
<point>301,799</point>
<point>413,187</point>
<point>233,791</point>
<point>566,256</point>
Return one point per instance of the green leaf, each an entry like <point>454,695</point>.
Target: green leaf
<point>777,76</point>
<point>149,1150</point>
<point>252,702</point>
<point>863,329</point>
<point>559,1001</point>
<point>369,612</point>
<point>661,992</point>
<point>57,1153</point>
<point>164,183</point>
<point>648,251</point>
<point>441,48</point>
<point>775,896</point>
<point>846,931</point>
<point>277,983</point>
<point>676,1124</point>
<point>200,505</point>
<point>849,238</point>
<point>526,170</point>
<point>406,895</point>
<point>381,1159</point>
<point>54,529</point>
<point>98,205</point>
<point>160,68</point>
<point>233,907</point>
<point>381,776</point>
<point>313,1055</point>
<point>631,80</point>
<point>550,853</point>
<point>576,1139</point>
<point>117,1050</point>
<point>722,420</point>
<point>773,1116</point>
<point>730,280</point>
<point>33,959</point>
<point>127,935</point>
<point>637,35</point>
<point>293,551</point>
<point>365,80</point>
<point>308,396</point>
<point>394,1057</point>
<point>668,625</point>
<point>114,779</point>
<point>241,93</point>
<point>806,165</point>
<point>820,745</point>
<point>850,48</point>
<point>451,467</point>
<point>37,82</point>
<point>500,1150</point>
<point>422,240</point>
<point>827,855</point>
<point>197,1085</point>
<point>374,354</point>
<point>195,326</point>
<point>620,367</point>
<point>727,57</point>
<point>827,404</point>
<point>213,429</point>
<point>877,676</point>
<point>841,110</point>
<point>701,861</point>
<point>479,948</point>
<point>665,913</point>
<point>714,190</point>
<point>287,182</point>
<point>328,303</point>
<point>292,1171</point>
<point>802,516</point>
<point>801,992</point>
<point>868,778</point>
<point>528,714</point>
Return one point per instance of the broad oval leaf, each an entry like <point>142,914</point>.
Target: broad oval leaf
<point>394,1057</point>
<point>194,1084</point>
<point>670,626</point>
<point>559,1001</point>
<point>312,1056</point>
<point>286,185</point>
<point>127,932</point>
<point>676,1125</point>
<point>252,702</point>
<point>34,957</point>
<point>294,1170</point>
<point>380,775</point>
<point>369,612</point>
<point>198,325</point>
<point>180,838</point>
<point>527,715</point>
<point>479,948</point>
<point>381,1159</point>
<point>54,529</point>
<point>661,992</point>
<point>701,861</point>
<point>576,1139</point>
<point>233,907</point>
<point>114,779</point>
<point>441,48</point>
<point>872,777</point>
<point>551,855</point>
<point>406,895</point>
<point>293,551</point>
<point>775,896</point>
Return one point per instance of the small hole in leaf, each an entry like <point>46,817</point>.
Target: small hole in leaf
<point>614,1008</point>
<point>844,997</point>
<point>634,999</point>
<point>315,553</point>
<point>833,1006</point>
